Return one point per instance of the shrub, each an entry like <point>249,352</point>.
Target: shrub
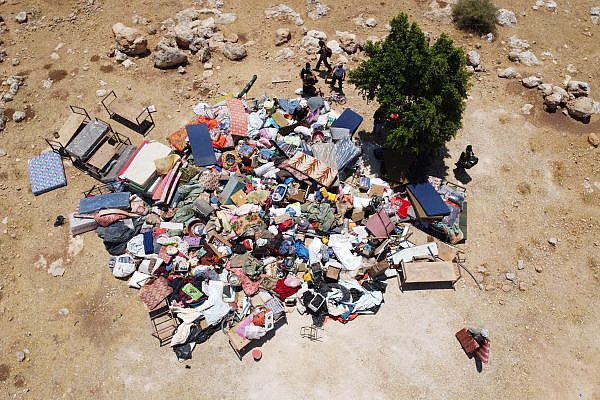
<point>475,15</point>
<point>420,88</point>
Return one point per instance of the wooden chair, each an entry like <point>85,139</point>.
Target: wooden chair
<point>133,116</point>
<point>164,323</point>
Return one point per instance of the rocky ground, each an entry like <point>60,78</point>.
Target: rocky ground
<point>533,239</point>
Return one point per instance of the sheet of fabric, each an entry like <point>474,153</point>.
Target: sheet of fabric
<point>238,118</point>
<point>317,170</point>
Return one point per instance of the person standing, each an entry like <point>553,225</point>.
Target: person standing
<point>324,53</point>
<point>467,158</point>
<point>378,121</point>
<point>308,81</point>
<point>339,74</point>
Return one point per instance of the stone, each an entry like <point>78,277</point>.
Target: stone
<point>310,41</point>
<point>347,42</point>
<point>581,108</point>
<point>203,53</point>
<point>578,88</point>
<point>19,116</point>
<point>511,276</point>
<point>525,57</point>
<point>130,40</point>
<point>64,312</point>
<point>506,287</point>
<point>225,18</point>
<point>473,58</point>
<point>595,13</point>
<point>553,241</point>
<point>551,5</point>
<point>508,73</point>
<point>128,64</point>
<point>20,356</point>
<point>532,81</point>
<point>371,22</point>
<point>207,73</point>
<point>440,11</point>
<point>335,47</point>
<point>184,34</point>
<point>318,11</point>
<point>167,55</point>
<point>181,69</point>
<point>571,69</point>
<point>488,37</point>
<point>47,83</point>
<point>187,15</point>
<point>54,55</point>
<point>526,109</point>
<point>282,35</point>
<point>523,286</point>
<point>56,269</point>
<point>283,12</point>
<point>545,88</point>
<point>101,92</point>
<point>138,20</point>
<point>519,44</point>
<point>151,29</point>
<point>506,17</point>
<point>593,139</point>
<point>283,54</point>
<point>15,62</point>
<point>539,269</point>
<point>120,56</point>
<point>208,65</point>
<point>232,38</point>
<point>21,17</point>
<point>234,51</point>
<point>470,69</point>
<point>520,264</point>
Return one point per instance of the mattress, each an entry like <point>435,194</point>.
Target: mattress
<point>428,199</point>
<point>141,168</point>
<point>345,153</point>
<point>90,205</point>
<point>46,173</point>
<point>349,120</point>
<point>85,142</point>
<point>201,145</point>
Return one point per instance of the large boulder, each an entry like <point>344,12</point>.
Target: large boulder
<point>283,54</point>
<point>506,17</point>
<point>545,88</point>
<point>282,35</point>
<point>508,73</point>
<point>578,88</point>
<point>130,40</point>
<point>532,81</point>
<point>524,57</point>
<point>517,43</point>
<point>283,12</point>
<point>347,42</point>
<point>440,13</point>
<point>234,51</point>
<point>167,55</point>
<point>310,41</point>
<point>334,45</point>
<point>317,10</point>
<point>473,58</point>
<point>581,108</point>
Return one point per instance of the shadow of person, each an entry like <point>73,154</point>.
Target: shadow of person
<point>461,175</point>
<point>478,364</point>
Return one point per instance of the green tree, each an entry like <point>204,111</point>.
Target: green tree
<point>475,15</point>
<point>420,88</point>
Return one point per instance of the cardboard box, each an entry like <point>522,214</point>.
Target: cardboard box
<point>376,190</point>
<point>378,268</point>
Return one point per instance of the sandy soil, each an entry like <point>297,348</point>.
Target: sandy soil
<point>527,188</point>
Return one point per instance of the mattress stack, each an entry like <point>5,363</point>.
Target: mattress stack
<point>140,171</point>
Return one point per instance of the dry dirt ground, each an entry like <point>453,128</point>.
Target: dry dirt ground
<point>527,188</point>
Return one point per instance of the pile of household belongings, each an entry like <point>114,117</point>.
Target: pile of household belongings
<point>246,203</point>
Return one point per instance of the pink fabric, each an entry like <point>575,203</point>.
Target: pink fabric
<point>237,117</point>
<point>249,286</point>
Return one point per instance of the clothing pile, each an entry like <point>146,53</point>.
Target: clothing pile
<point>250,213</point>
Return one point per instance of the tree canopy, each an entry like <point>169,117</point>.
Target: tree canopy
<point>420,88</point>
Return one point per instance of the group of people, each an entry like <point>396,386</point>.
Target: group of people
<point>309,79</point>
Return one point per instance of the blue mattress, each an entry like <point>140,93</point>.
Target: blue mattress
<point>345,153</point>
<point>349,120</point>
<point>201,145</point>
<point>90,205</point>
<point>46,173</point>
<point>429,200</point>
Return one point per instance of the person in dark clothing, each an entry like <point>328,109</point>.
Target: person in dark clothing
<point>378,121</point>
<point>467,158</point>
<point>324,53</point>
<point>308,81</point>
<point>301,112</point>
<point>339,74</point>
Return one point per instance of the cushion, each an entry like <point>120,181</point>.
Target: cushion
<point>46,173</point>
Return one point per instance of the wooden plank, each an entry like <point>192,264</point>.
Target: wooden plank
<point>67,131</point>
<point>421,272</point>
<point>102,156</point>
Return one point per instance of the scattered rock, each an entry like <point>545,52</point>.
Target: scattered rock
<point>47,83</point>
<point>595,13</point>
<point>234,51</point>
<point>438,13</point>
<point>371,22</point>
<point>334,45</point>
<point>208,65</point>
<point>129,40</point>
<point>524,57</point>
<point>508,73</point>
<point>511,276</point>
<point>593,139</point>
<point>64,312</point>
<point>120,56</point>
<point>488,38</point>
<point>526,109</point>
<point>203,53</point>
<point>15,62</point>
<point>21,17</point>
<point>532,81</point>
<point>232,38</point>
<point>151,29</point>
<point>473,59</point>
<point>20,356</point>
<point>539,269</point>
<point>225,18</point>
<point>41,263</point>
<point>347,42</point>
<point>19,116</point>
<point>553,241</point>
<point>283,12</point>
<point>310,41</point>
<point>520,264</point>
<point>517,43</point>
<point>54,55</point>
<point>578,88</point>
<point>167,55</point>
<point>545,88</point>
<point>523,286</point>
<point>581,108</point>
<point>317,10</point>
<point>506,17</point>
<point>571,69</point>
<point>181,69</point>
<point>138,20</point>
<point>284,54</point>
<point>282,35</point>
<point>127,64</point>
<point>56,268</point>
<point>101,92</point>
